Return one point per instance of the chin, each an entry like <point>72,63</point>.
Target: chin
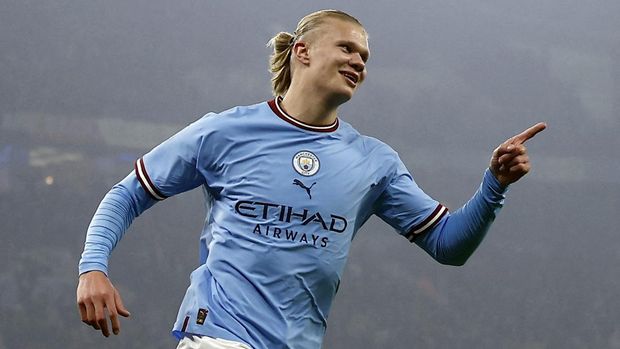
<point>340,98</point>
<point>342,95</point>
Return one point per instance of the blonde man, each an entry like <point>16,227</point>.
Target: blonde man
<point>288,185</point>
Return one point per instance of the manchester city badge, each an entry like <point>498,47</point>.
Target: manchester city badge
<point>306,163</point>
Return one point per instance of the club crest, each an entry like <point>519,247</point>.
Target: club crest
<point>306,163</point>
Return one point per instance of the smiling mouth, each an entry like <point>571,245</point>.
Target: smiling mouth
<point>352,78</point>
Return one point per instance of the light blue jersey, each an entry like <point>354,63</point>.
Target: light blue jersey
<point>285,199</point>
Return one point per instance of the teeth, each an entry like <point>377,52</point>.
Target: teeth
<point>350,77</point>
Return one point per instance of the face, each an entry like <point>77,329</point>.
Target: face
<point>337,55</point>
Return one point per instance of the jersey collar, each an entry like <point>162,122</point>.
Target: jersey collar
<point>274,104</point>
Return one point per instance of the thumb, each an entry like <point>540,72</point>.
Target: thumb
<point>120,307</point>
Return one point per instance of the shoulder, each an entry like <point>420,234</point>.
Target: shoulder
<point>370,146</point>
<point>245,110</point>
<point>235,119</point>
<point>233,115</point>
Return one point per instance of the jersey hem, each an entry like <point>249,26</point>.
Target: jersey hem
<point>178,334</point>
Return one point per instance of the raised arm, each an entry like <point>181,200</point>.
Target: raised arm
<point>455,238</point>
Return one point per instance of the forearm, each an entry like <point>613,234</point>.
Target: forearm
<point>454,239</point>
<point>120,206</point>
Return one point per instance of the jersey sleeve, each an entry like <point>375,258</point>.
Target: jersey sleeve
<point>404,206</point>
<point>121,205</point>
<point>455,238</point>
<point>173,166</point>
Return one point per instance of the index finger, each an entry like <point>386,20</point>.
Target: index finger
<point>83,312</point>
<point>529,133</point>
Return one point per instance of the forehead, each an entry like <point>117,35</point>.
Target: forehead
<point>334,29</point>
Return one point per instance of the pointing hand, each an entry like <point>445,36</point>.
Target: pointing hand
<point>510,161</point>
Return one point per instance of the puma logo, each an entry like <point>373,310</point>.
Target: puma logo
<point>299,183</point>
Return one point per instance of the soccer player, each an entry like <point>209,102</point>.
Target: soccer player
<point>288,184</point>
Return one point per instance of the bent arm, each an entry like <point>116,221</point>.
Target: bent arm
<point>455,238</point>
<point>124,202</point>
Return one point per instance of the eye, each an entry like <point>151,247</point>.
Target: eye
<point>346,48</point>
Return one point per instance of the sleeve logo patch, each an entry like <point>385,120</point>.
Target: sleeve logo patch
<point>306,163</point>
<point>201,316</point>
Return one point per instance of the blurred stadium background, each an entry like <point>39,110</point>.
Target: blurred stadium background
<point>87,87</point>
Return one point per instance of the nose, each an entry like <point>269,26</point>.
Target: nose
<point>357,63</point>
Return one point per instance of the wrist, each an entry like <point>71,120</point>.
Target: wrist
<point>86,268</point>
<point>495,183</point>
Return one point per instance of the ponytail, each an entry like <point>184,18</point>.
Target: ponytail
<point>280,62</point>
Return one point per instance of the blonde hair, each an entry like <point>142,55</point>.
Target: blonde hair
<point>282,43</point>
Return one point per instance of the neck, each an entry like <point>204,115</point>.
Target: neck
<point>308,107</point>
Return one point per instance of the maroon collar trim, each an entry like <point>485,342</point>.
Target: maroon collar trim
<point>274,104</point>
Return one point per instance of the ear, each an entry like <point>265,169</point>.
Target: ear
<point>301,52</point>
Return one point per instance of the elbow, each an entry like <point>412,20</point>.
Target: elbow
<point>455,261</point>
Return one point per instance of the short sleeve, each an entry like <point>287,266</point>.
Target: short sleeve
<point>172,167</point>
<point>405,207</point>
